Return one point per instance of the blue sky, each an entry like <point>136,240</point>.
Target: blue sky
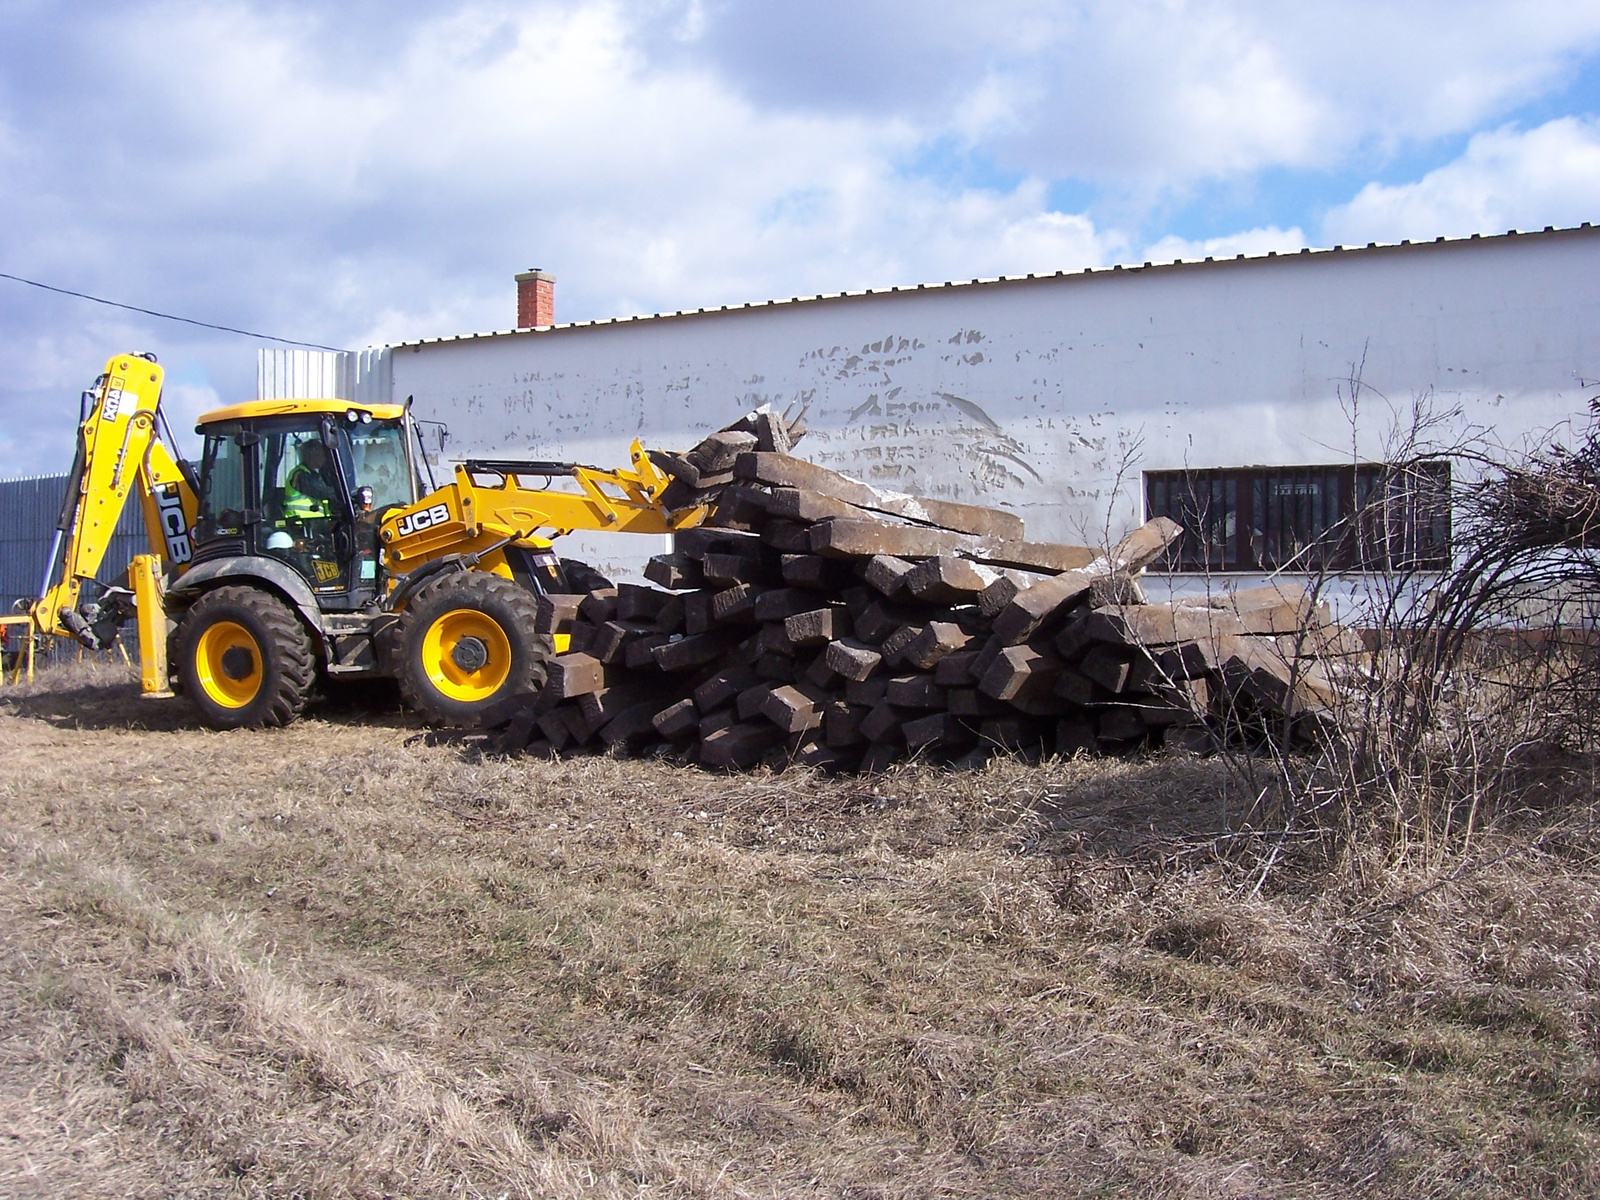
<point>368,172</point>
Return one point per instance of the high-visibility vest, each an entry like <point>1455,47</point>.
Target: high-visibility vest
<point>297,505</point>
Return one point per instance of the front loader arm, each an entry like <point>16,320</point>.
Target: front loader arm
<point>118,453</point>
<point>469,516</point>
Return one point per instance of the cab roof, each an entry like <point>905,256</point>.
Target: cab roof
<point>255,409</point>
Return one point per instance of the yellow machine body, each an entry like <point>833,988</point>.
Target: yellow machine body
<point>488,504</point>
<point>120,453</point>
<point>472,523</point>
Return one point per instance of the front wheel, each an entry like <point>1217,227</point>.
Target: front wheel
<point>469,642</point>
<point>245,659</point>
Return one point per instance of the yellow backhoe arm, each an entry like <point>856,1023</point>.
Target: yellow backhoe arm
<point>469,516</point>
<point>118,452</point>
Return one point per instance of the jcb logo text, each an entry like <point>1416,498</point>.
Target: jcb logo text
<point>426,519</point>
<point>169,503</point>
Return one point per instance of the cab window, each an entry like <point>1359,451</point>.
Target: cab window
<point>303,505</point>
<point>378,460</point>
<point>222,499</point>
<point>299,479</point>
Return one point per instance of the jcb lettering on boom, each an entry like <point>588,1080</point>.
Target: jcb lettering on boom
<point>426,519</point>
<point>169,502</point>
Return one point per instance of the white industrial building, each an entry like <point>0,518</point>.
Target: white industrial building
<point>1068,398</point>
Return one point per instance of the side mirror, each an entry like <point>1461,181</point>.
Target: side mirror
<point>363,499</point>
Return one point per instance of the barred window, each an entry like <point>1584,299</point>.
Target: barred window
<point>1367,517</point>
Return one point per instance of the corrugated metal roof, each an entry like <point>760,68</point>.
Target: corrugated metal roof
<point>1180,264</point>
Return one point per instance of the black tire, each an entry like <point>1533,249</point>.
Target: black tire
<point>581,577</point>
<point>388,643</point>
<point>437,655</point>
<point>231,686</point>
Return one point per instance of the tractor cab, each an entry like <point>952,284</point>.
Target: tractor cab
<point>305,482</point>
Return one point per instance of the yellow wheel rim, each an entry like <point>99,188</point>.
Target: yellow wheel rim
<point>449,652</point>
<point>228,664</point>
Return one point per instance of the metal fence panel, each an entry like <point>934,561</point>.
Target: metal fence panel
<point>365,376</point>
<point>28,512</point>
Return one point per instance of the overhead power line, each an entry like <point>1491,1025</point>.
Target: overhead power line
<point>150,312</point>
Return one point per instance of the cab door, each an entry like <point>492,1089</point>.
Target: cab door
<point>227,504</point>
<point>306,512</point>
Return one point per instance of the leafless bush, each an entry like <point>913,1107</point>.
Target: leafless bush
<point>1476,704</point>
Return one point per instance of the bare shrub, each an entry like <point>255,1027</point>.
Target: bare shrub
<point>1475,708</point>
<point>1479,702</point>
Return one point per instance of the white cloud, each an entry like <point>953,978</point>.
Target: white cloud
<point>260,190</point>
<point>183,402</point>
<point>1172,91</point>
<point>1249,241</point>
<point>1152,93</point>
<point>361,172</point>
<point>1508,179</point>
<point>486,146</point>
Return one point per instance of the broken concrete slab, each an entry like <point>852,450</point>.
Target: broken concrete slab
<point>934,642</point>
<point>887,574</point>
<point>840,537</point>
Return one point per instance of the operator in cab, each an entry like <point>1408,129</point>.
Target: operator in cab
<point>307,493</point>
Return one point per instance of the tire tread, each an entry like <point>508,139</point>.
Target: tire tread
<point>522,604</point>
<point>290,645</point>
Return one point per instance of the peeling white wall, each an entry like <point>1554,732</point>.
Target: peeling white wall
<point>1050,396</point>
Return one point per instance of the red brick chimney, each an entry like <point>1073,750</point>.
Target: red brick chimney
<point>536,299</point>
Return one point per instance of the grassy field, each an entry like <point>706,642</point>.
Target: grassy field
<point>353,958</point>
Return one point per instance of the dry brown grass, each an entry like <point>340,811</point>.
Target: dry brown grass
<point>350,959</point>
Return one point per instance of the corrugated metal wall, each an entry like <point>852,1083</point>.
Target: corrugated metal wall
<point>360,375</point>
<point>28,511</point>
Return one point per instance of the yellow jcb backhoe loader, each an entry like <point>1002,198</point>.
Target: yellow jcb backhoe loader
<point>304,546</point>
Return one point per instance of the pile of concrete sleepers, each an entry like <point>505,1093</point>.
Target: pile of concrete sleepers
<point>817,620</point>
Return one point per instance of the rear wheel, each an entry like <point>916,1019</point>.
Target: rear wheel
<point>469,642</point>
<point>245,659</point>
